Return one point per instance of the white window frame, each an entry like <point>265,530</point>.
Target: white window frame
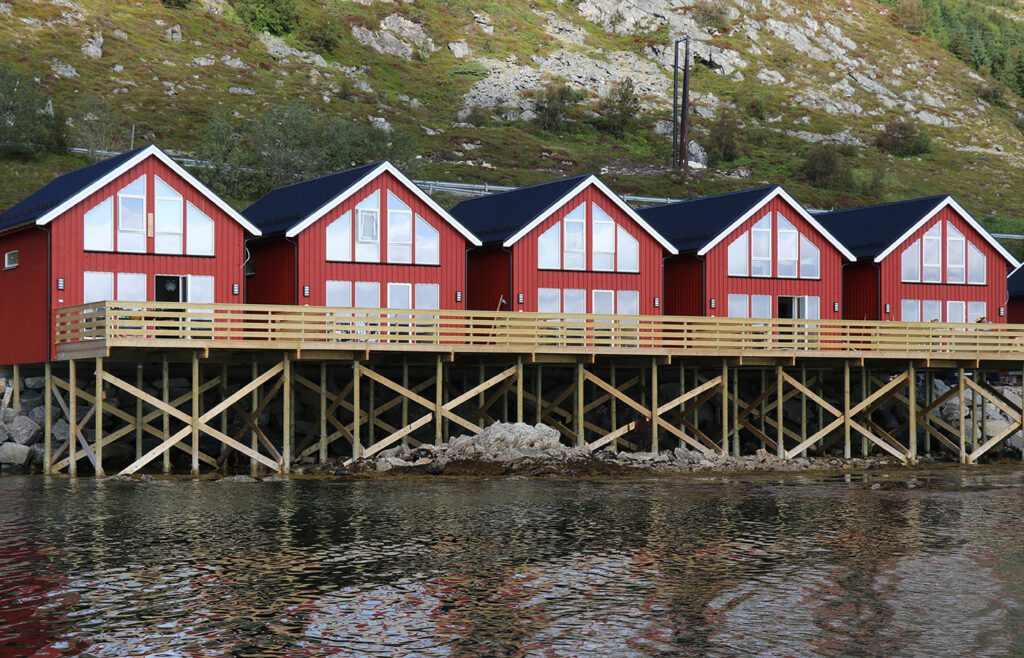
<point>936,305</point>
<point>108,229</point>
<point>783,225</point>
<point>558,295</point>
<point>973,317</point>
<point>742,300</point>
<point>192,278</point>
<point>626,245</point>
<point>120,217</point>
<point>761,299</point>
<point>418,290</point>
<point>599,216</point>
<point>593,301</point>
<point>180,233</point>
<point>914,314</point>
<point>981,265</point>
<point>951,304</point>
<point>191,248</point>
<point>121,279</point>
<point>806,242</point>
<point>582,251</point>
<point>763,227</point>
<point>363,210</point>
<point>338,284</point>
<point>355,293</point>
<point>956,244</point>
<point>12,259</point>
<point>421,225</point>
<point>934,234</point>
<point>549,256</point>
<point>580,297</point>
<point>911,255</point>
<point>338,238</point>
<point>394,286</point>
<point>620,296</point>
<point>738,255</point>
<point>108,275</point>
<point>399,208</point>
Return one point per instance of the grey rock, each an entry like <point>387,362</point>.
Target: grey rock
<point>383,465</point>
<point>483,21</point>
<point>60,430</point>
<point>4,434</point>
<point>241,91</point>
<point>24,430</point>
<point>62,70</point>
<point>35,383</point>
<point>204,61</point>
<point>173,33</point>
<point>15,454</point>
<point>396,462</point>
<point>396,36</point>
<point>460,49</point>
<point>238,479</point>
<point>93,47</point>
<point>233,62</point>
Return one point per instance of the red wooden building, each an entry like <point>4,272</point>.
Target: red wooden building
<point>921,260</point>
<point>569,246</point>
<point>756,253</point>
<point>136,227</point>
<point>367,237</point>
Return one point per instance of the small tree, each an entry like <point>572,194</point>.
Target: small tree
<point>911,15</point>
<point>721,144</point>
<point>28,122</point>
<point>712,14</point>
<point>320,31</point>
<point>619,108</point>
<point>554,106</point>
<point>100,128</point>
<point>902,138</point>
<point>826,167</point>
<point>274,16</point>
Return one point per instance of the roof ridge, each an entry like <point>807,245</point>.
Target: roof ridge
<point>369,165</point>
<point>874,206</point>
<point>715,196</point>
<point>525,188</point>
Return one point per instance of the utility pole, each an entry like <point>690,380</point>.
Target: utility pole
<point>684,119</point>
<point>675,108</point>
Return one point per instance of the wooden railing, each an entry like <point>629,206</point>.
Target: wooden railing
<point>141,324</point>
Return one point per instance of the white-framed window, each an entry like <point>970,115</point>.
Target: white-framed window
<point>428,243</point>
<point>339,294</point>
<point>977,265</point>
<point>627,302</point>
<point>339,239</point>
<point>198,232</point>
<point>368,230</point>
<point>910,310</point>
<point>574,300</point>
<point>788,249</point>
<point>956,312</point>
<point>956,255</point>
<point>367,294</point>
<point>400,296</point>
<point>761,247</point>
<point>977,311</point>
<point>603,240</point>
<point>131,287</point>
<point>761,306</point>
<point>131,217</point>
<point>739,255</point>
<point>11,259</point>
<point>931,310</point>
<point>98,227</point>
<point>399,230</point>
<point>603,302</point>
<point>200,289</point>
<point>549,300</point>
<point>428,296</point>
<point>97,287</point>
<point>931,260</point>
<point>810,259</point>
<point>628,256</point>
<point>168,221</point>
<point>738,306</point>
<point>910,263</point>
<point>574,256</point>
<point>549,248</point>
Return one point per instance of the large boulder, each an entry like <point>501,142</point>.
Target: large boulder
<point>24,431</point>
<point>15,454</point>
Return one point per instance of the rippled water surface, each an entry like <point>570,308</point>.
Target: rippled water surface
<point>679,567</point>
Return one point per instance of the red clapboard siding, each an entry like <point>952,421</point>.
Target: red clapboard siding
<point>684,285</point>
<point>527,278</point>
<point>860,291</point>
<point>993,293</point>
<point>273,281</point>
<point>23,298</point>
<point>718,284</point>
<point>489,279</point>
<point>314,270</point>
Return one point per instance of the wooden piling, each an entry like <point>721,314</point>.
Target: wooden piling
<point>165,381</point>
<point>254,402</point>
<point>736,412</point>
<point>963,421</point>
<point>195,414</point>
<point>139,383</point>
<point>725,407</point>
<point>357,409</point>
<point>323,412</point>
<point>286,392</point>
<point>780,434</point>
<point>519,389</point>
<point>405,400</point>
<point>438,401</point>
<point>48,421</point>
<point>371,406</point>
<point>578,426</point>
<point>98,418</point>
<point>72,418</point>
<point>912,401</point>
<point>538,377</point>
<point>614,408</point>
<point>803,407</point>
<point>929,393</point>
<point>761,414</point>
<point>17,387</point>
<point>846,410</point>
<point>865,445</point>
<point>654,406</point>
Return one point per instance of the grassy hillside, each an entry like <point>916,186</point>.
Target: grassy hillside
<point>169,87</point>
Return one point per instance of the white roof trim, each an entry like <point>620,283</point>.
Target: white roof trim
<point>151,150</point>
<point>779,192</point>
<point>950,202</point>
<point>592,180</point>
<point>363,182</point>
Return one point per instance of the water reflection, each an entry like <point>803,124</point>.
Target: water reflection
<point>514,568</point>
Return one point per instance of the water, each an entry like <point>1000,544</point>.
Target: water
<point>672,567</point>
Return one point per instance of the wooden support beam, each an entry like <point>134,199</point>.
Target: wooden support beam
<point>654,405</point>
<point>538,387</point>
<point>17,387</point>
<point>519,389</point>
<point>405,400</point>
<point>912,396</point>
<point>736,412</point>
<point>963,424</point>
<point>323,412</point>
<point>48,421</point>
<point>725,407</point>
<point>614,405</point>
<point>194,424</point>
<point>357,406</point>
<point>139,381</point>
<point>578,416</point>
<point>846,409</point>
<point>780,445</point>
<point>864,379</point>
<point>72,412</point>
<point>254,401</point>
<point>803,405</point>
<point>438,401</point>
<point>98,417</point>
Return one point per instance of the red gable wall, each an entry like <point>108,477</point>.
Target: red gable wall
<point>527,278</point>
<point>24,313</point>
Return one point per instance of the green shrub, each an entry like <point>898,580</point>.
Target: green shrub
<point>320,31</point>
<point>826,167</point>
<point>100,127</point>
<point>991,92</point>
<point>274,16</point>
<point>28,122</point>
<point>903,138</point>
<point>619,109</point>
<point>472,70</point>
<point>721,146</point>
<point>911,15</point>
<point>554,106</point>
<point>177,4</point>
<point>712,14</point>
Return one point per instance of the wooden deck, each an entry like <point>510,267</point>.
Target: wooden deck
<point>97,330</point>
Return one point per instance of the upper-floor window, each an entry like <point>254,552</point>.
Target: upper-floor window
<point>368,229</point>
<point>574,255</point>
<point>564,244</point>
<point>11,259</point>
<point>99,227</point>
<point>923,261</point>
<point>198,232</point>
<point>549,248</point>
<point>751,253</point>
<point>603,241</point>
<point>168,227</point>
<point>628,252</point>
<point>399,230</point>
<point>339,238</point>
<point>131,217</point>
<point>428,243</point>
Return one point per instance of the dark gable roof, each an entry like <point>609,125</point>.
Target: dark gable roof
<point>281,209</point>
<point>870,230</point>
<point>1015,284</point>
<point>497,217</point>
<point>59,190</point>
<point>689,225</point>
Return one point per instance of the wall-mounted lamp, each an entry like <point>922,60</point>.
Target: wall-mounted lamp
<point>458,295</point>
<point>657,302</point>
<point>712,303</point>
<point>235,289</point>
<point>520,297</point>
<point>1002,311</point>
<point>305,291</point>
<point>60,284</point>
<point>888,308</point>
<point>835,307</point>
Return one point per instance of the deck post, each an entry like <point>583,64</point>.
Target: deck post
<point>963,422</point>
<point>764,386</point>
<point>682,391</point>
<point>72,419</point>
<point>48,420</point>
<point>405,400</point>
<point>481,398</point>
<point>846,409</point>
<point>323,412</point>
<point>578,426</point>
<point>1022,411</point>
<point>975,399</point>
<point>286,392</point>
<point>519,389</point>
<point>615,408</point>
<point>538,393</point>
<point>98,418</point>
<point>165,381</point>
<point>357,410</point>
<point>803,407</point>
<point>139,383</point>
<point>371,417</point>
<point>735,412</point>
<point>654,405</point>
<point>865,445</point>
<point>254,400</point>
<point>912,399</point>
<point>725,407</point>
<point>224,386</point>
<point>929,392</point>
<point>438,400</point>
<point>780,435</point>
<point>195,414</point>
<point>17,387</point>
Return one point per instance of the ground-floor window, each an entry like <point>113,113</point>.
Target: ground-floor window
<point>400,295</point>
<point>799,307</point>
<point>574,301</point>
<point>931,310</point>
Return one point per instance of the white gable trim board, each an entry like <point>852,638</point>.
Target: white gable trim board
<point>778,192</point>
<point>951,203</point>
<point>154,151</point>
<point>384,167</point>
<point>619,203</point>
